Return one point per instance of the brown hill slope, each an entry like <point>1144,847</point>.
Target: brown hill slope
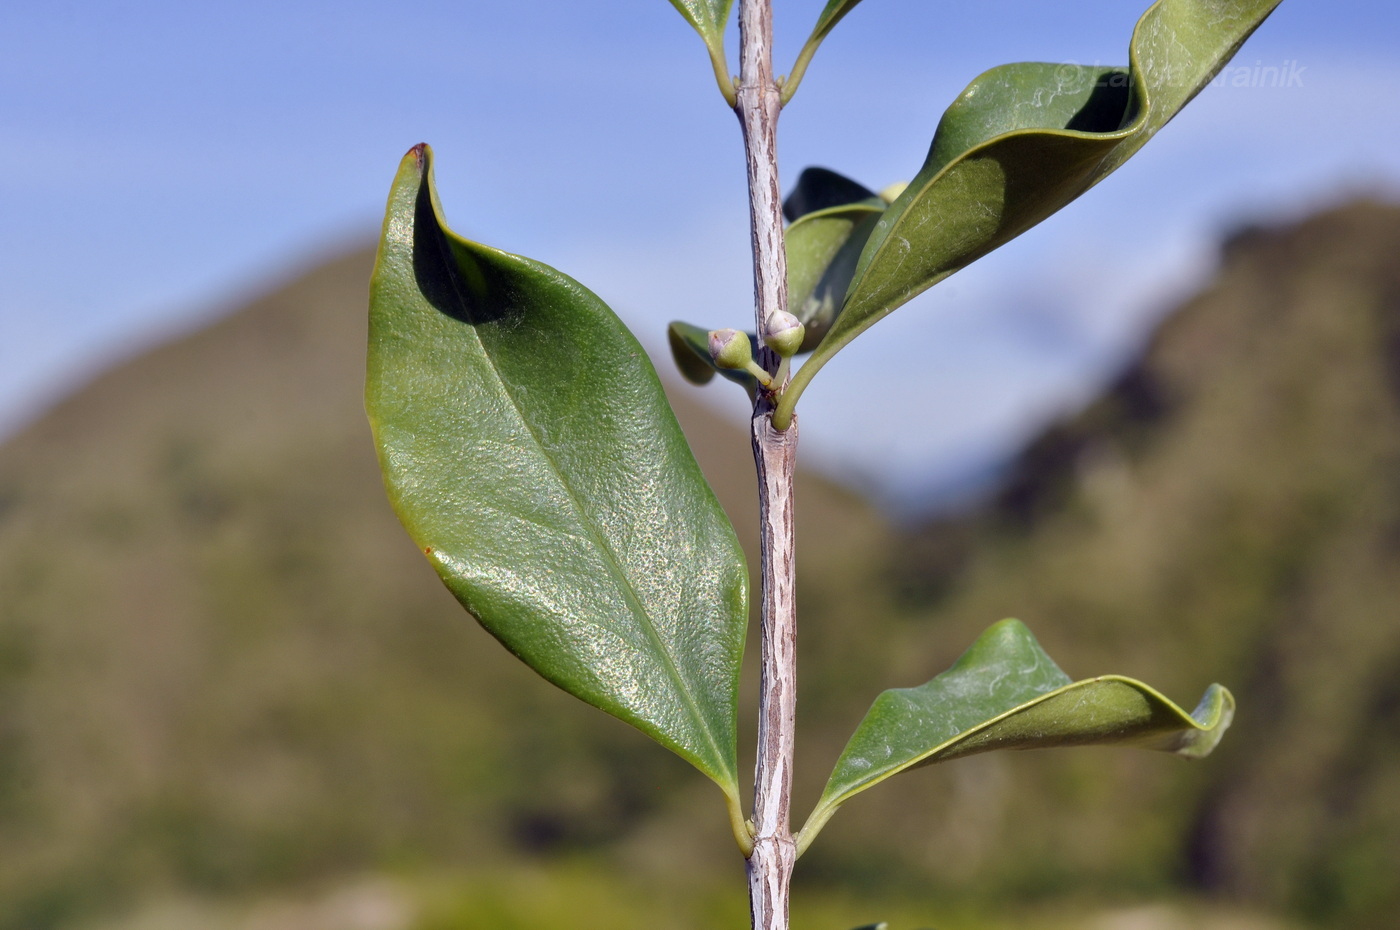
<point>223,664</point>
<point>1229,511</point>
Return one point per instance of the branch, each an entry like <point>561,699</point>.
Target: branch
<point>775,454</point>
<point>758,106</point>
<point>774,850</point>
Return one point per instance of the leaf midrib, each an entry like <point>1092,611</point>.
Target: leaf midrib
<point>1148,691</point>
<point>611,560</point>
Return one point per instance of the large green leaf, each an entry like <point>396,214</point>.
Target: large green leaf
<point>1006,693</point>
<point>1021,142</point>
<point>529,450</point>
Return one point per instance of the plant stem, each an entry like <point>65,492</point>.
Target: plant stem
<point>774,851</point>
<point>775,455</point>
<point>758,109</point>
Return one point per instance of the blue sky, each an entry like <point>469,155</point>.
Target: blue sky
<point>159,159</point>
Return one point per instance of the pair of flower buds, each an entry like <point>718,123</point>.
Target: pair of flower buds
<point>733,349</point>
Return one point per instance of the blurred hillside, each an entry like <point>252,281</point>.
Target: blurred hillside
<point>225,671</point>
<point>224,667</point>
<point>1228,511</point>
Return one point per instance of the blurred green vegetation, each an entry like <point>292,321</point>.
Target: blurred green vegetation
<point>226,675</point>
<point>588,895</point>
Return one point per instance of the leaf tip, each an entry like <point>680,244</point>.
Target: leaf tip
<point>1213,716</point>
<point>1010,628</point>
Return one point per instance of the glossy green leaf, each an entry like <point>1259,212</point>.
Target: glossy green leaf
<point>690,347</point>
<point>1006,693</point>
<point>528,448</point>
<point>1021,142</point>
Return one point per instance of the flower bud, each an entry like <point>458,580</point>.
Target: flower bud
<point>731,348</point>
<point>785,334</point>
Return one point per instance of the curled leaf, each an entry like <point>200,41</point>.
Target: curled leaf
<point>1021,142</point>
<point>1006,693</point>
<point>528,448</point>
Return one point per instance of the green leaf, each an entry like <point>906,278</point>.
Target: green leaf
<point>1021,142</point>
<point>822,251</point>
<point>528,448</point>
<point>1006,693</point>
<point>710,18</point>
<point>690,347</point>
<point>831,218</point>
